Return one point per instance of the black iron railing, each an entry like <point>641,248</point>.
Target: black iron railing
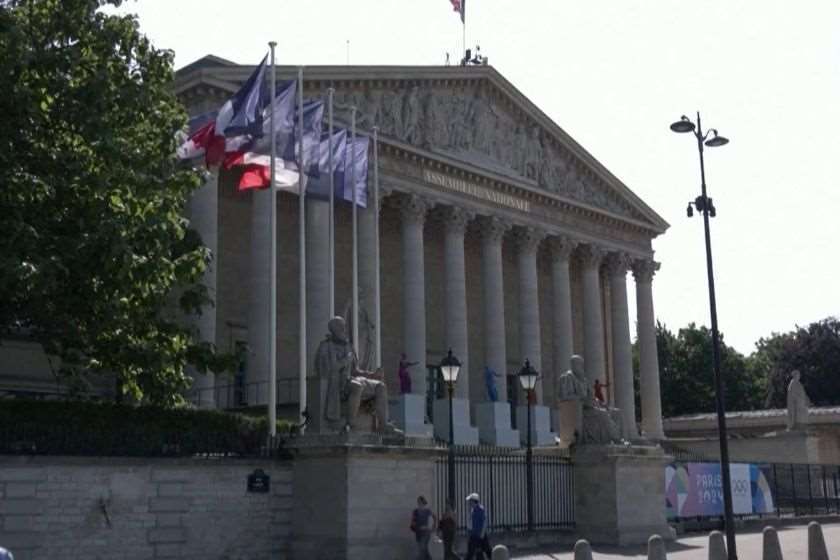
<point>498,475</point>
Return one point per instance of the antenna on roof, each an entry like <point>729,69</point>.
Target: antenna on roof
<point>348,52</point>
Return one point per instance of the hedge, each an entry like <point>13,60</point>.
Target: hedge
<point>96,429</point>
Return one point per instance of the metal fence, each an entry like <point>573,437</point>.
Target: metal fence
<point>805,489</point>
<point>499,477</point>
<point>796,490</point>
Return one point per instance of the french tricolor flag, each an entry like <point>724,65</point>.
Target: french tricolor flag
<point>460,7</point>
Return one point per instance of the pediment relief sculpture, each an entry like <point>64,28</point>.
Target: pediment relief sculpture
<point>471,124</point>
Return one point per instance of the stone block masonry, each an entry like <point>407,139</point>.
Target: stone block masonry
<point>126,509</point>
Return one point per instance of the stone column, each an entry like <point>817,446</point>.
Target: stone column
<point>204,218</point>
<point>528,241</point>
<point>494,418</point>
<point>367,281</point>
<point>593,323</point>
<point>413,211</point>
<point>317,276</point>
<point>492,276</point>
<point>256,377</point>
<point>643,271</point>
<point>617,265</point>
<point>561,249</point>
<point>455,297</point>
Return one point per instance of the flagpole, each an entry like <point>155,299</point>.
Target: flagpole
<point>355,232</point>
<point>272,298</point>
<point>302,260</point>
<point>332,202</point>
<point>377,310</point>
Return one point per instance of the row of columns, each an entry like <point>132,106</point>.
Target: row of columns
<point>414,211</point>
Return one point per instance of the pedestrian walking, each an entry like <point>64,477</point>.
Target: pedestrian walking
<point>423,525</point>
<point>478,543</point>
<point>447,527</point>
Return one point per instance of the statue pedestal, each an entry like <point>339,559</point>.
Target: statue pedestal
<point>464,433</point>
<point>541,433</point>
<point>408,413</point>
<point>567,418</point>
<point>620,493</point>
<point>353,497</point>
<point>493,419</point>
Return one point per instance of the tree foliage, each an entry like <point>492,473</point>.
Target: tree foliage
<point>94,246</point>
<point>813,350</point>
<point>687,374</point>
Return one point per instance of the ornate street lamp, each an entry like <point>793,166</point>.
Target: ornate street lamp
<point>528,378</point>
<point>449,367</point>
<point>704,205</point>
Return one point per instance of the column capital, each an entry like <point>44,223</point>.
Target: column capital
<point>590,255</point>
<point>617,263</point>
<point>455,219</point>
<point>492,228</point>
<point>528,238</point>
<point>413,208</point>
<point>644,269</point>
<point>561,247</point>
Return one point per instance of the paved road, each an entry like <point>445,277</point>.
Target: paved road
<point>794,541</point>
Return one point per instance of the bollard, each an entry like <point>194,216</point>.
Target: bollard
<point>772,550</point>
<point>436,548</point>
<point>816,542</point>
<point>717,546</point>
<point>500,552</point>
<point>656,548</point>
<point>582,550</point>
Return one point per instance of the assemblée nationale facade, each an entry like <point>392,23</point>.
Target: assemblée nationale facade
<point>500,237</point>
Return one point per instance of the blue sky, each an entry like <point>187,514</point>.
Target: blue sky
<point>614,75</point>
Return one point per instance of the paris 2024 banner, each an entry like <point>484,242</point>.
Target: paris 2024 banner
<point>696,490</point>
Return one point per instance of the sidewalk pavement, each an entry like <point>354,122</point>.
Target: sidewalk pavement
<point>793,538</point>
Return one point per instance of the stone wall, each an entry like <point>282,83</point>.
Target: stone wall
<point>815,446</point>
<point>122,508</point>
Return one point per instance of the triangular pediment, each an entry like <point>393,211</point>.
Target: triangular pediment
<point>471,114</point>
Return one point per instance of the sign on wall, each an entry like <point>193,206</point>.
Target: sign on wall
<point>696,490</point>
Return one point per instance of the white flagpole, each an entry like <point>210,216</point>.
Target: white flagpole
<point>377,310</point>
<point>302,260</point>
<point>272,298</point>
<point>332,203</point>
<point>355,233</point>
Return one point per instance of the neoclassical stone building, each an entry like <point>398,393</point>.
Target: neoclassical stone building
<point>500,237</point>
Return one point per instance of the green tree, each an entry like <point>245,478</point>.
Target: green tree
<point>687,376</point>
<point>96,259</point>
<point>813,350</point>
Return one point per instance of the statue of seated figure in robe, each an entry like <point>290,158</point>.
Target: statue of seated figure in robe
<point>348,386</point>
<point>595,422</point>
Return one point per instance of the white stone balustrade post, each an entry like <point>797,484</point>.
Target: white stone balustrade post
<point>617,265</point>
<point>643,271</point>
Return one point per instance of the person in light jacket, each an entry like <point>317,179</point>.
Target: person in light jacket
<point>478,542</point>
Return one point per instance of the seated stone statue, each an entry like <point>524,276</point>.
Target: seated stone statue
<point>599,423</point>
<point>336,362</point>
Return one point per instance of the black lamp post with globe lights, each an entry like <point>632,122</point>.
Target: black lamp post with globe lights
<point>705,206</point>
<point>528,378</point>
<point>449,367</point>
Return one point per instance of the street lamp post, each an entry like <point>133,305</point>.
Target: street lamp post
<point>528,378</point>
<point>705,205</point>
<point>449,367</point>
